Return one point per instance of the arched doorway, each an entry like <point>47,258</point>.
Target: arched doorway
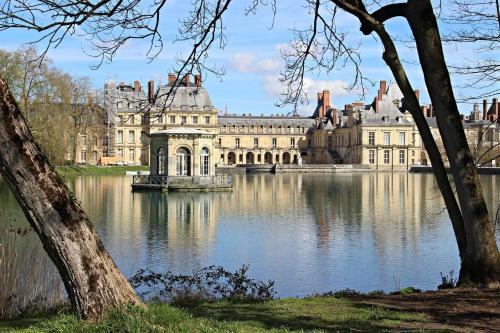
<point>183,162</point>
<point>204,161</point>
<point>295,159</point>
<point>277,158</point>
<point>231,158</point>
<point>250,159</point>
<point>286,158</point>
<point>162,161</point>
<point>304,157</point>
<point>268,158</point>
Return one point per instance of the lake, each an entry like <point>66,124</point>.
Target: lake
<point>308,233</point>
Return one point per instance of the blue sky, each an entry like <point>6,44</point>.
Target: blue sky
<point>251,59</point>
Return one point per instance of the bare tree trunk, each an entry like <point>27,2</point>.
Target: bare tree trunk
<point>369,24</point>
<point>481,264</point>
<point>92,280</point>
<point>438,168</point>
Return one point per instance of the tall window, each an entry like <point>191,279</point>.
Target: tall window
<point>184,120</point>
<point>172,119</point>
<point>329,142</point>
<point>292,143</point>
<point>401,157</point>
<point>371,156</point>
<point>131,119</point>
<point>207,120</point>
<point>386,156</point>
<point>402,138</point>
<point>387,138</point>
<point>120,152</point>
<point>94,155</point>
<point>94,140</point>
<point>204,159</point>
<point>195,120</point>
<point>275,143</point>
<point>256,142</point>
<point>371,138</point>
<point>162,161</point>
<point>84,140</point>
<point>119,137</point>
<point>84,156</point>
<point>237,143</point>
<point>131,155</point>
<point>131,136</point>
<point>183,165</point>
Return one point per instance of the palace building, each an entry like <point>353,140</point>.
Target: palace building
<point>379,135</point>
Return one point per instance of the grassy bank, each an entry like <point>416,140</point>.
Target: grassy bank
<point>92,170</point>
<point>318,314</point>
<point>451,310</point>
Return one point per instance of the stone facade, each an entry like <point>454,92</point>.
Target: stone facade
<point>379,135</point>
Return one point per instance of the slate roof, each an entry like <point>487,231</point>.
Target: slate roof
<point>266,120</point>
<point>190,96</point>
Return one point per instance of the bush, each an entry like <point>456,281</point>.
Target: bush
<point>206,284</point>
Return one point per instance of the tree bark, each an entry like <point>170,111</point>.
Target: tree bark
<point>92,280</point>
<point>481,263</point>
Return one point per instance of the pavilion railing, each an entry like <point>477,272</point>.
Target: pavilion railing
<point>220,180</point>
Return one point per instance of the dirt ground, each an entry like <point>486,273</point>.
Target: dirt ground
<point>457,310</point>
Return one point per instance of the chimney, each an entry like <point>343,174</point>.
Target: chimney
<point>485,109</point>
<point>424,110</point>
<point>430,111</point>
<point>326,101</point>
<point>498,111</point>
<point>137,86</point>
<point>334,117</point>
<point>151,91</point>
<point>197,80</point>
<point>379,94</point>
<point>320,104</point>
<point>417,93</point>
<point>186,80</point>
<point>171,79</point>
<point>375,104</point>
<point>383,86</point>
<point>495,109</point>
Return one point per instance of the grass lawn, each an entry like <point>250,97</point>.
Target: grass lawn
<point>92,170</point>
<point>315,314</point>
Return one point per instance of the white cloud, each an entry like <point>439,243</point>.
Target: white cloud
<point>242,62</point>
<point>337,88</point>
<point>247,63</point>
<point>268,65</point>
<point>272,85</point>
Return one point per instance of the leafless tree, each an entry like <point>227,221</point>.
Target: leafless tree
<point>475,26</point>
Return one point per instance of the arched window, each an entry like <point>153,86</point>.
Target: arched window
<point>183,164</point>
<point>204,161</point>
<point>162,161</point>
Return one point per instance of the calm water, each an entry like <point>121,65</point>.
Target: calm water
<point>306,232</point>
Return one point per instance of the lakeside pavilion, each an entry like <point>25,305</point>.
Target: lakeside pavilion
<point>182,159</point>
